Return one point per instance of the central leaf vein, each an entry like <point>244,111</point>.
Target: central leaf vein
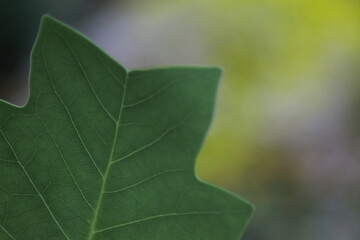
<point>103,186</point>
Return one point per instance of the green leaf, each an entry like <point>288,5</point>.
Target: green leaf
<point>100,152</point>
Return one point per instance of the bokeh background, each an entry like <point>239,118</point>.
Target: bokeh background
<point>286,134</point>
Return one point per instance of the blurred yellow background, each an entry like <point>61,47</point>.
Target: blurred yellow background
<point>285,134</point>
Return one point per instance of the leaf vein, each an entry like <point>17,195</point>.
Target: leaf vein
<point>34,186</point>
<point>173,214</point>
<point>152,95</point>
<point>144,180</point>
<point>87,78</point>
<point>3,228</point>
<point>69,115</point>
<point>158,139</point>
<point>65,162</point>
<point>108,167</point>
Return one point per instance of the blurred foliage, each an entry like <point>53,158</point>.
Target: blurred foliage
<point>272,48</point>
<point>281,60</point>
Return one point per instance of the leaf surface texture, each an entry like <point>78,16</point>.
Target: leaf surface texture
<point>100,152</point>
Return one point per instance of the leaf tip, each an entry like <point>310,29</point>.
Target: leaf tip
<point>217,71</point>
<point>49,21</point>
<point>46,19</point>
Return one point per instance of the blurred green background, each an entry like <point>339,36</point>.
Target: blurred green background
<point>286,134</point>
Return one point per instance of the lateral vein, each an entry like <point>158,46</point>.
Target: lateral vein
<point>34,186</point>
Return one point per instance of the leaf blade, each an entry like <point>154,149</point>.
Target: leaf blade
<point>95,138</point>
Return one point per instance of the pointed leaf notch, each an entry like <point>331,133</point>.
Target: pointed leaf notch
<point>101,152</point>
